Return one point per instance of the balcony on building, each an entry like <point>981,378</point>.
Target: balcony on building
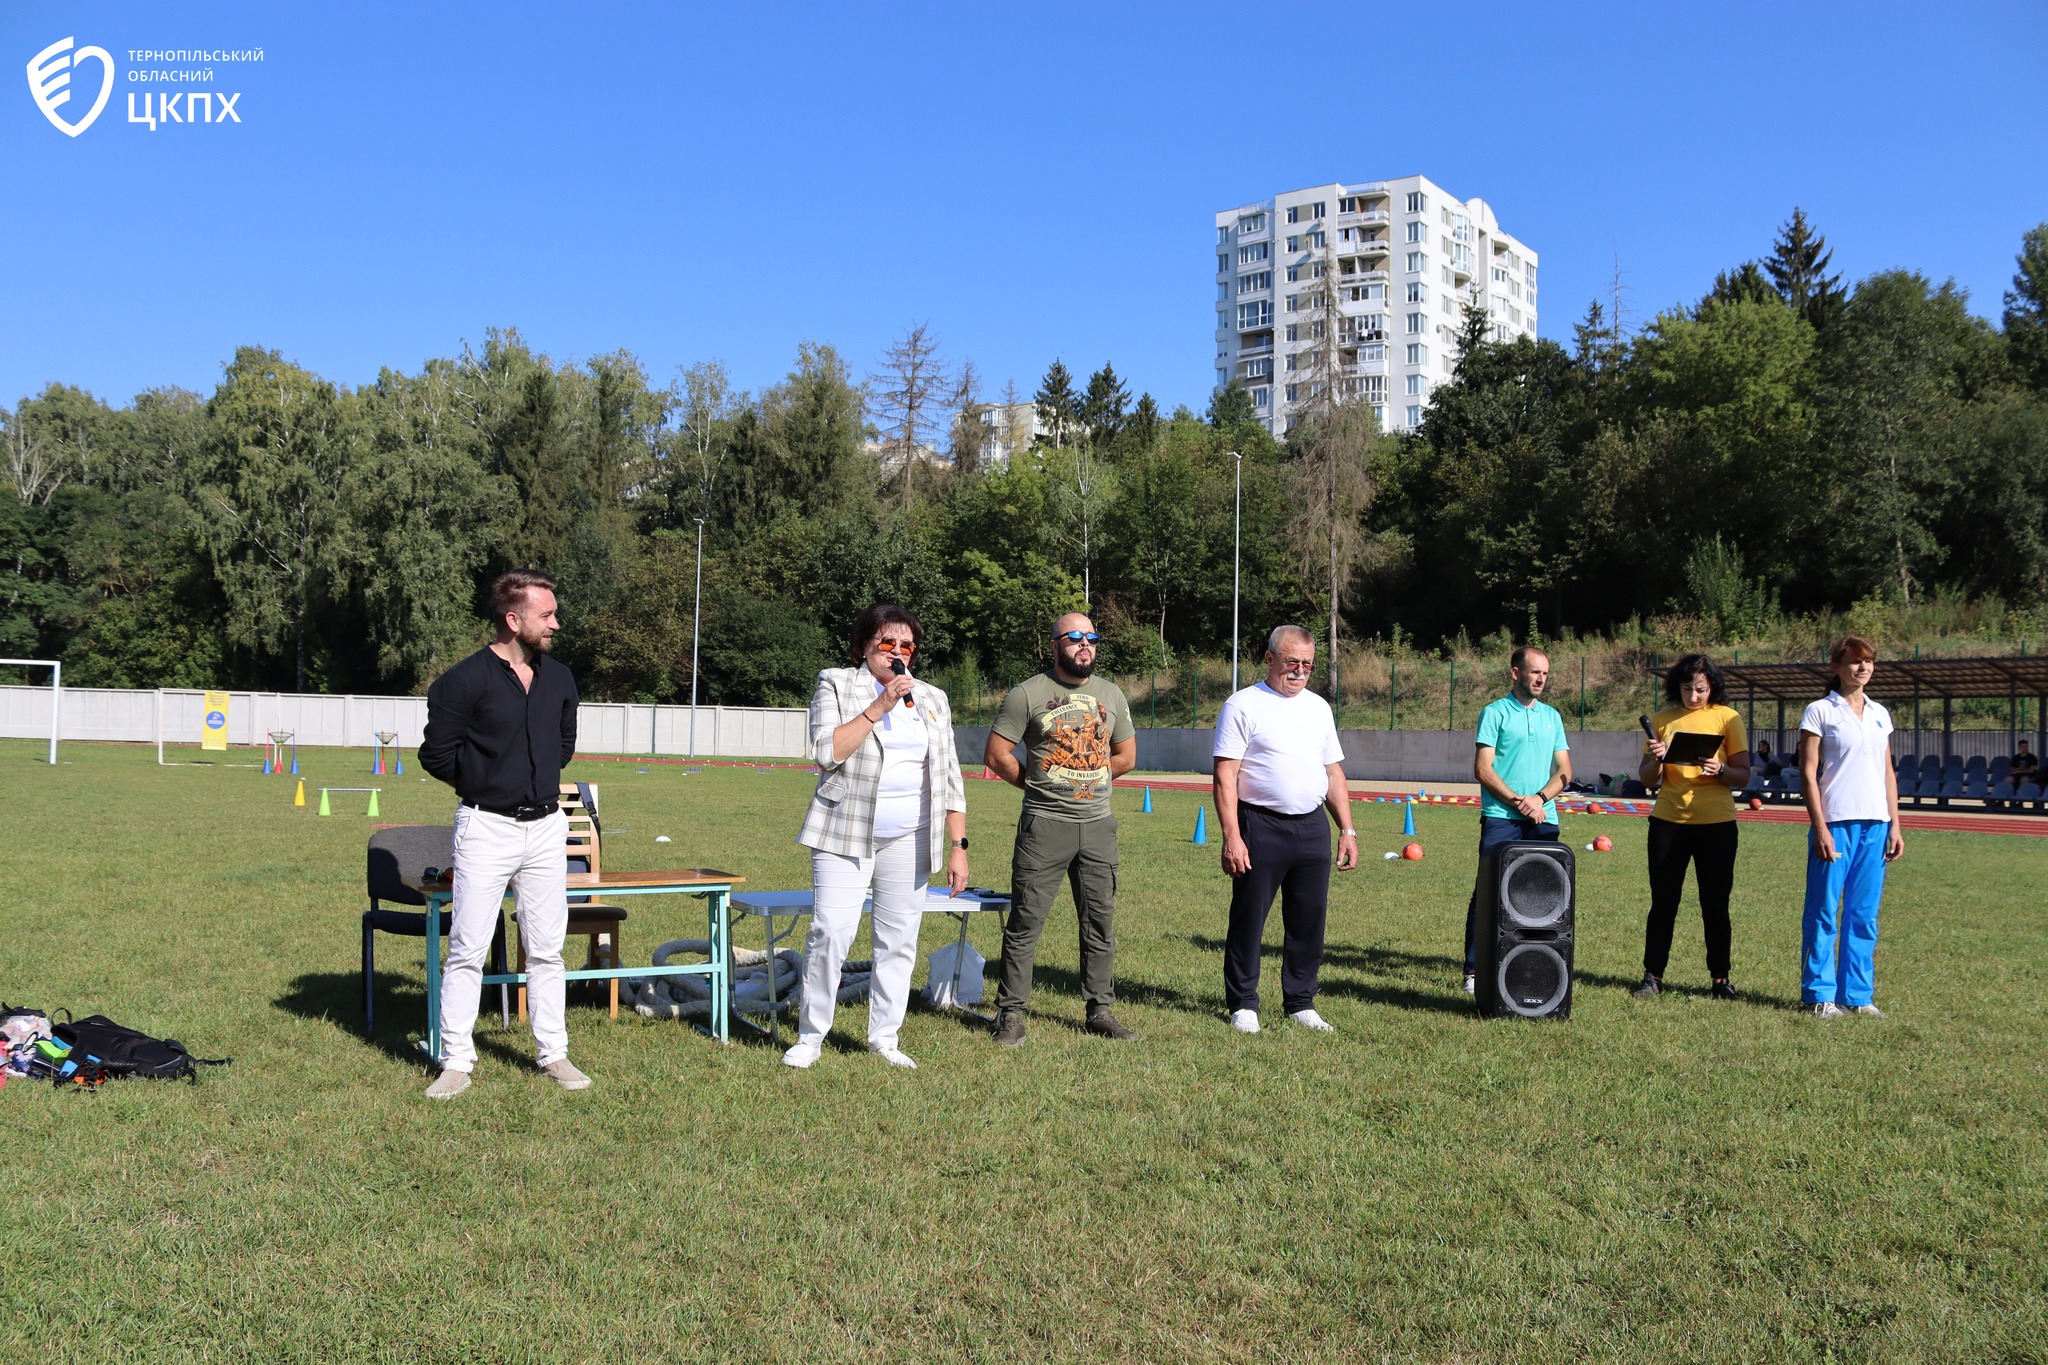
<point>1255,343</point>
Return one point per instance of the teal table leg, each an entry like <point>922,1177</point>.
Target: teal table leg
<point>434,977</point>
<point>721,930</point>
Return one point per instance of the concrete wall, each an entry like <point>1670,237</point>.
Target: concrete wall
<point>353,721</point>
<point>1369,755</point>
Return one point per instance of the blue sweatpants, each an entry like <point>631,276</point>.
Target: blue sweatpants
<point>1854,882</point>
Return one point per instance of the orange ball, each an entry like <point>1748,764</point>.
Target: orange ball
<point>1756,803</point>
<point>1413,853</point>
<point>1603,844</point>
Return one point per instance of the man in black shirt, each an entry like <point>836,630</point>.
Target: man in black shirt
<point>500,725</point>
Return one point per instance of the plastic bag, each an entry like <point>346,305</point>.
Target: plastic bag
<point>938,982</point>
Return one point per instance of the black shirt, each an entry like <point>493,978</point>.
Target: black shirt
<point>495,742</point>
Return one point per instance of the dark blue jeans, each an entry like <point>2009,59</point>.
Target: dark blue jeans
<point>1493,832</point>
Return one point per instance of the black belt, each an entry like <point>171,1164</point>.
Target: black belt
<point>519,813</point>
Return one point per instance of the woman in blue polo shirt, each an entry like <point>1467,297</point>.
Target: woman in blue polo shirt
<point>1852,798</point>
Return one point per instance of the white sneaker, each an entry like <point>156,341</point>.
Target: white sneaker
<point>1310,1019</point>
<point>801,1056</point>
<point>1870,1011</point>
<point>1245,1021</point>
<point>564,1073</point>
<point>894,1057</point>
<point>1827,1009</point>
<point>1471,986</point>
<point>448,1084</point>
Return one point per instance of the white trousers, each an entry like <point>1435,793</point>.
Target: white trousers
<point>896,875</point>
<point>491,853</point>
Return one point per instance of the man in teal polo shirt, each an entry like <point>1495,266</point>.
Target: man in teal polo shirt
<point>1521,765</point>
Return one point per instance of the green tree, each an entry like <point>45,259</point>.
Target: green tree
<point>427,506</point>
<point>1894,379</point>
<point>799,448</point>
<point>2026,311</point>
<point>1103,407</point>
<point>1798,266</point>
<point>268,490</point>
<point>1059,407</point>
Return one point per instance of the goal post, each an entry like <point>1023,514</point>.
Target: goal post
<point>56,667</point>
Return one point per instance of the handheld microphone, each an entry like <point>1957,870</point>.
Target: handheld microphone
<point>1648,729</point>
<point>896,667</point>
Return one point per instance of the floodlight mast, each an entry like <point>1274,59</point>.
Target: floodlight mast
<point>56,667</point>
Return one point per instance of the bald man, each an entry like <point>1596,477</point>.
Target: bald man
<point>1077,736</point>
<point>1279,769</point>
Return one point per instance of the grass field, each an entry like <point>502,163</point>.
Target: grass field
<point>1650,1180</point>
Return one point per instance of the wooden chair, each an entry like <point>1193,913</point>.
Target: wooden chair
<point>598,923</point>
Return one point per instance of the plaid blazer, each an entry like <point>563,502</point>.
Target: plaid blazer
<point>842,814</point>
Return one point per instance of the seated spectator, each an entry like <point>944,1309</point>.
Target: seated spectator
<point>2025,766</point>
<point>1764,763</point>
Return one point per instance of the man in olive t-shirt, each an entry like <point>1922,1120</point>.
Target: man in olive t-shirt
<point>1077,736</point>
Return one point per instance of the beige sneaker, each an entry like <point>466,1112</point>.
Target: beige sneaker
<point>448,1085</point>
<point>565,1074</point>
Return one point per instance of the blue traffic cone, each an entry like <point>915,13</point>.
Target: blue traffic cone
<point>1146,809</point>
<point>401,761</point>
<point>266,765</point>
<point>295,762</point>
<point>1408,819</point>
<point>1201,824</point>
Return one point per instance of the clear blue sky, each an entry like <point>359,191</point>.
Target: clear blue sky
<point>689,182</point>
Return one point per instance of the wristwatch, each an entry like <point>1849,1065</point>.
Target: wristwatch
<point>1347,834</point>
<point>961,842</point>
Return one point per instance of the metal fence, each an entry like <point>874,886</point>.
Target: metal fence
<point>173,716</point>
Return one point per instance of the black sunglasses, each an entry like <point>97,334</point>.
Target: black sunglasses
<point>1079,637</point>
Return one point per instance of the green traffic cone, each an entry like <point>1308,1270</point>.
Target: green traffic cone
<point>325,809</point>
<point>372,811</point>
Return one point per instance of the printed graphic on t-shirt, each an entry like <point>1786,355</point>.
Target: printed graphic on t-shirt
<point>1073,746</point>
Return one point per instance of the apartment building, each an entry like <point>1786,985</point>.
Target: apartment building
<point>1406,257</point>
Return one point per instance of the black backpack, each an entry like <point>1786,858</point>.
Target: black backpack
<point>102,1050</point>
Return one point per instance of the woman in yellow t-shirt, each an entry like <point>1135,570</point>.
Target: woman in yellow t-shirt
<point>1694,818</point>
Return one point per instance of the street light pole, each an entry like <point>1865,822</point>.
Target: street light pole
<point>1236,560</point>
<point>696,621</point>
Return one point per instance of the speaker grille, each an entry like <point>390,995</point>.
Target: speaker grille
<point>1533,979</point>
<point>1535,891</point>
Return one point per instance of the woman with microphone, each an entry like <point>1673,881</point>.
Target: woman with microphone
<point>888,780</point>
<point>1694,818</point>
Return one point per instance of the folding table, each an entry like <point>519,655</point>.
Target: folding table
<point>707,884</point>
<point>770,906</point>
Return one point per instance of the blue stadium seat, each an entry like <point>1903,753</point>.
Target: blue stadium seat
<point>1930,768</point>
<point>1909,788</point>
<point>2029,792</point>
<point>1952,764</point>
<point>1908,763</point>
<point>1788,782</point>
<point>1976,787</point>
<point>1975,763</point>
<point>1952,790</point>
<point>2001,768</point>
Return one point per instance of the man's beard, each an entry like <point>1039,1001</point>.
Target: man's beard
<point>1074,668</point>
<point>539,643</point>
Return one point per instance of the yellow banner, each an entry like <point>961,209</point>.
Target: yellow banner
<point>213,733</point>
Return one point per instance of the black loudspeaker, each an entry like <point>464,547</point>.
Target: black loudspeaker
<point>1527,902</point>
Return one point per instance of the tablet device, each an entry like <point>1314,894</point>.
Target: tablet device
<point>1691,747</point>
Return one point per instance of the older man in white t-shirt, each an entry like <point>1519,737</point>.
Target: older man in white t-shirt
<point>1278,768</point>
